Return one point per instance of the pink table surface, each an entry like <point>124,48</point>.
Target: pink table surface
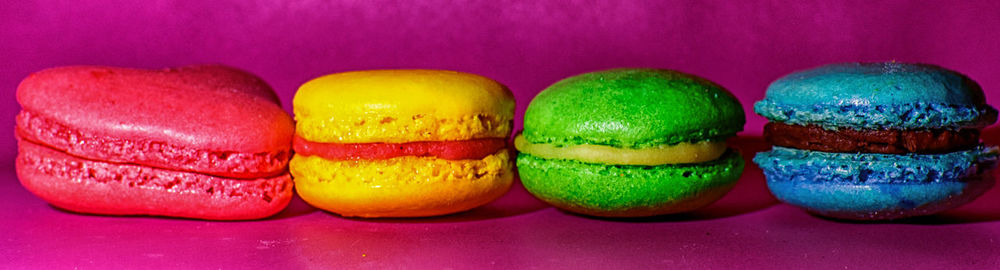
<point>527,45</point>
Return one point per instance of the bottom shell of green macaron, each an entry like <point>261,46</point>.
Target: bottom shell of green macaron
<point>626,190</point>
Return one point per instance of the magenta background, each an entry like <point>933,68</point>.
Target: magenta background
<point>526,45</point>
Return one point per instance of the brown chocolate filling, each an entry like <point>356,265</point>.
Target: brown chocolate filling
<point>891,141</point>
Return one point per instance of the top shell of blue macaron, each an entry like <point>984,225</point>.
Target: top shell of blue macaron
<point>877,95</point>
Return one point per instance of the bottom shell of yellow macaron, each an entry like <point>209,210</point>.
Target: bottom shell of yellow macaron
<point>403,186</point>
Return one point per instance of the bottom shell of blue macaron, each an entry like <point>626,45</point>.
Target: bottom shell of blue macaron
<point>876,186</point>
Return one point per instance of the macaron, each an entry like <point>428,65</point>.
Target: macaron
<point>876,141</point>
<point>402,143</point>
<point>630,143</point>
<point>204,142</point>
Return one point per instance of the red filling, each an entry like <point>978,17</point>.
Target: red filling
<point>450,150</point>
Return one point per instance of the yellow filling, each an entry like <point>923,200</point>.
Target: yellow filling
<point>401,187</point>
<point>396,106</point>
<point>668,154</point>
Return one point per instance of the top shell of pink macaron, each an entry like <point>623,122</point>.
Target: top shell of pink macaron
<point>207,108</point>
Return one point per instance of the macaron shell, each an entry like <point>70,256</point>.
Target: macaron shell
<point>184,107</point>
<point>403,186</point>
<point>869,84</point>
<point>877,201</point>
<point>876,186</point>
<point>628,191</point>
<point>208,119</point>
<point>919,115</point>
<point>632,108</point>
<point>96,187</point>
<point>813,166</point>
<point>877,96</point>
<point>397,106</point>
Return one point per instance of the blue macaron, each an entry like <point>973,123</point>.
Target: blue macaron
<point>886,103</point>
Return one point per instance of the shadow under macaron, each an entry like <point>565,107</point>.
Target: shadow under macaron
<point>296,207</point>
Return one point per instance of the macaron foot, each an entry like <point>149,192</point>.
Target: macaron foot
<point>97,187</point>
<point>401,187</point>
<point>628,190</point>
<point>860,201</point>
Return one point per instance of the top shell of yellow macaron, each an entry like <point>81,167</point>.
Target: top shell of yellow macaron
<point>396,106</point>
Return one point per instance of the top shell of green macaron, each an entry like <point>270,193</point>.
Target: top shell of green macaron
<point>632,108</point>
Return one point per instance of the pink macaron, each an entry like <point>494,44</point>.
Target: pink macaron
<point>207,142</point>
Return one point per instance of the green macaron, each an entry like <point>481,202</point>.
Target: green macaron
<point>630,143</point>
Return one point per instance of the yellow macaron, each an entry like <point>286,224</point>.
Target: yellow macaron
<point>402,143</point>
